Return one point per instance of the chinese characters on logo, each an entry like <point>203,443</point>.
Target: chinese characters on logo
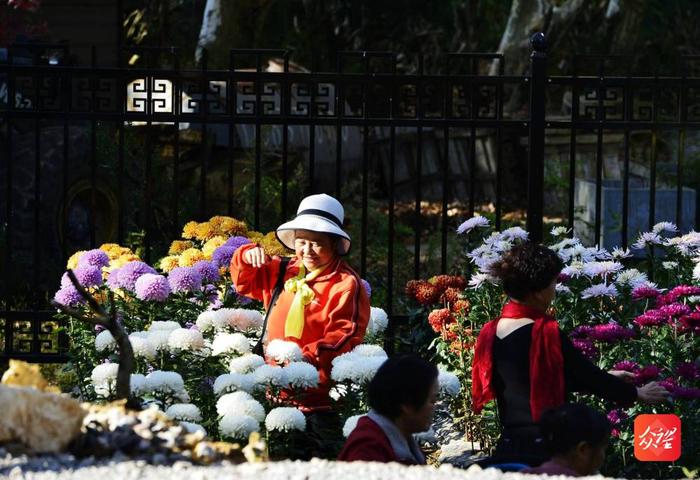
<point>657,438</point>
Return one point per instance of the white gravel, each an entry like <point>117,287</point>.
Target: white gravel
<point>62,467</point>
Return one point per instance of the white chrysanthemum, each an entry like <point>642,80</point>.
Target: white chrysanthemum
<point>562,289</point>
<point>104,341</point>
<point>631,277</point>
<point>594,269</point>
<point>245,363</point>
<point>514,233</point>
<point>647,239</point>
<point>282,351</point>
<point>269,375</point>
<point>472,223</point>
<point>142,347</point>
<point>165,382</point>
<point>167,326</point>
<point>159,340</point>
<point>230,343</point>
<point>349,357</point>
<point>696,272</point>
<point>188,412</point>
<point>185,339</point>
<point>301,375</point>
<point>574,270</point>
<point>285,419</point>
<point>137,384</point>
<point>449,383</point>
<point>191,427</point>
<point>365,350</point>
<point>243,319</point>
<point>564,244</point>
<point>350,424</point>
<point>104,374</point>
<point>669,265</point>
<point>378,321</point>
<point>238,427</point>
<point>231,382</point>
<point>140,334</point>
<point>619,253</point>
<point>559,231</point>
<point>234,406</point>
<point>356,369</point>
<point>600,290</point>
<point>479,279</point>
<point>205,321</point>
<point>227,402</point>
<point>665,227</point>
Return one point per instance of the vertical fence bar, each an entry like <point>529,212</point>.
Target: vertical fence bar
<point>681,152</point>
<point>311,188</point>
<point>231,110</point>
<point>365,165</point>
<point>177,101</point>
<point>8,191</point>
<point>419,171</point>
<point>627,118</point>
<point>339,110</point>
<point>535,177</point>
<point>37,193</point>
<point>285,109</point>
<point>652,173</point>
<point>93,146</point>
<point>204,160</point>
<point>392,193</point>
<point>258,132</point>
<point>121,101</point>
<point>445,173</point>
<point>572,147</point>
<point>499,144</point>
<point>147,174</point>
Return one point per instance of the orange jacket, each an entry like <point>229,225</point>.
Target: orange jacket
<point>334,322</point>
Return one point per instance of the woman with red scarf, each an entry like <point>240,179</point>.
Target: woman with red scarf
<point>524,362</point>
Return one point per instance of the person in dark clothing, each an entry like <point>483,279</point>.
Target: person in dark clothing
<point>576,437</point>
<point>402,398</point>
<point>524,362</point>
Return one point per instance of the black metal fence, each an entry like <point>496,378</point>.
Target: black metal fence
<point>128,154</point>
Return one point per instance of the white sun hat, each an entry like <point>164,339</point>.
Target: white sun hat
<point>317,213</point>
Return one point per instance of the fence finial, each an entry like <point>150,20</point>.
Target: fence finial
<point>538,42</point>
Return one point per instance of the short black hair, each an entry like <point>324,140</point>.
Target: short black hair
<point>565,427</point>
<point>527,268</point>
<point>403,379</point>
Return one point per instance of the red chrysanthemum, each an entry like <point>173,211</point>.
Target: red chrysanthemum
<point>427,294</point>
<point>443,282</point>
<point>412,287</point>
<point>461,307</point>
<point>440,319</point>
<point>450,295</point>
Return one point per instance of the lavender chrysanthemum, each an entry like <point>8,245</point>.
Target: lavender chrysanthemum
<point>208,270</point>
<point>184,279</point>
<point>129,273</point>
<point>237,241</point>
<point>367,286</point>
<point>113,279</point>
<point>600,290</point>
<point>88,276</point>
<point>68,296</point>
<point>222,256</point>
<point>474,222</point>
<point>152,287</point>
<point>95,258</point>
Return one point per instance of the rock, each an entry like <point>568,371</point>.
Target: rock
<point>458,453</point>
<point>42,421</point>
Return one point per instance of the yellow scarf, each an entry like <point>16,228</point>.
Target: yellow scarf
<point>303,295</point>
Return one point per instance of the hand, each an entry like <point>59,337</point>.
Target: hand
<point>256,257</point>
<point>652,392</point>
<point>622,375</point>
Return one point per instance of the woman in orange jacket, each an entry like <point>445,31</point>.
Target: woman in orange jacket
<point>323,307</point>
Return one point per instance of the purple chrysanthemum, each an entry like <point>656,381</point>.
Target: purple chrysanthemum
<point>649,319</point>
<point>586,347</point>
<point>686,393</point>
<point>690,323</point>
<point>616,416</point>
<point>130,272</point>
<point>95,258</point>
<point>645,291</point>
<point>208,271</point>
<point>688,370</point>
<point>367,286</point>
<point>68,296</point>
<point>581,332</point>
<point>236,242</point>
<point>676,293</point>
<point>184,279</point>
<point>152,287</point>
<point>627,366</point>
<point>646,374</point>
<point>87,276</point>
<point>113,279</point>
<point>611,332</point>
<point>222,256</point>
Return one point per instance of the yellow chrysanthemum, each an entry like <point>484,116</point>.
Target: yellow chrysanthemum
<point>190,256</point>
<point>74,259</point>
<point>255,237</point>
<point>230,227</point>
<point>272,246</point>
<point>217,220</point>
<point>114,250</point>
<point>169,262</point>
<point>189,230</point>
<point>123,260</point>
<point>211,245</point>
<point>179,246</point>
<point>204,232</point>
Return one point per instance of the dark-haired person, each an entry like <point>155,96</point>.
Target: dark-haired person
<point>524,362</point>
<point>402,398</point>
<point>323,307</point>
<point>576,437</point>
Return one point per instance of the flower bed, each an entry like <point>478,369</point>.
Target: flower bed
<point>622,312</point>
<point>192,338</point>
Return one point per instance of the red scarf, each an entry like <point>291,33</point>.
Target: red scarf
<point>546,361</point>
